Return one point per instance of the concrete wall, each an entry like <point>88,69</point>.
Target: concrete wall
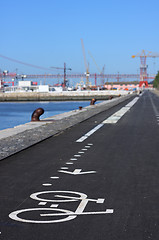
<point>60,96</point>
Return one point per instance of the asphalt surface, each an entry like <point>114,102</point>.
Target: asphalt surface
<point>105,187</point>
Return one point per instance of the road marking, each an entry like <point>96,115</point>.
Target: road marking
<point>64,167</point>
<point>108,211</point>
<point>77,155</point>
<point>91,144</point>
<point>100,200</point>
<point>84,149</point>
<point>112,119</point>
<point>76,172</point>
<point>73,159</point>
<point>119,114</point>
<point>54,211</point>
<point>80,152</point>
<point>54,205</point>
<point>47,184</point>
<point>89,133</point>
<point>69,163</point>
<point>87,146</point>
<point>154,107</point>
<point>42,203</point>
<point>54,177</point>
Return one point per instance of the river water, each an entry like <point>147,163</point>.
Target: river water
<point>16,113</point>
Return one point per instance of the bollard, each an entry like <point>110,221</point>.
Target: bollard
<point>36,114</point>
<point>80,107</point>
<point>93,101</point>
<point>110,97</point>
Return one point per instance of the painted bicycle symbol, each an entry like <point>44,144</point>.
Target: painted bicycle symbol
<point>53,214</point>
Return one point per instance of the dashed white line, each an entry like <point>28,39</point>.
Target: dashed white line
<point>69,163</point>
<point>54,177</point>
<point>73,159</point>
<point>77,155</point>
<point>47,184</point>
<point>64,167</point>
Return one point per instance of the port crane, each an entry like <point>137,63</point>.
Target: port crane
<point>100,71</point>
<point>6,74</point>
<point>86,65</point>
<point>143,67</point>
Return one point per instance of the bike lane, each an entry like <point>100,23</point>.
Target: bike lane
<point>98,179</point>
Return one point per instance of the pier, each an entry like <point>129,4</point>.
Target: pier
<point>61,96</point>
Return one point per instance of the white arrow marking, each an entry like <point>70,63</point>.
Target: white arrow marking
<point>77,172</point>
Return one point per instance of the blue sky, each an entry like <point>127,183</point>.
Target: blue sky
<point>47,33</point>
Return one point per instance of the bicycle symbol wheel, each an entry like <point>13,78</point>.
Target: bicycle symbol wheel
<point>65,214</point>
<point>59,196</point>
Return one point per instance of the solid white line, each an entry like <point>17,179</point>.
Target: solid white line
<point>89,133</point>
<point>117,115</point>
<point>112,119</point>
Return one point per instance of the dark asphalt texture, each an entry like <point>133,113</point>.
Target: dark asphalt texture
<point>125,158</point>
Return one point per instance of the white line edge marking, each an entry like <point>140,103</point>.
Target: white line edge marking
<point>89,133</point>
<point>119,114</point>
<point>112,119</point>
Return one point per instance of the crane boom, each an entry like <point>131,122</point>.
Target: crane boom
<point>143,67</point>
<point>95,62</point>
<point>86,65</point>
<point>84,55</point>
